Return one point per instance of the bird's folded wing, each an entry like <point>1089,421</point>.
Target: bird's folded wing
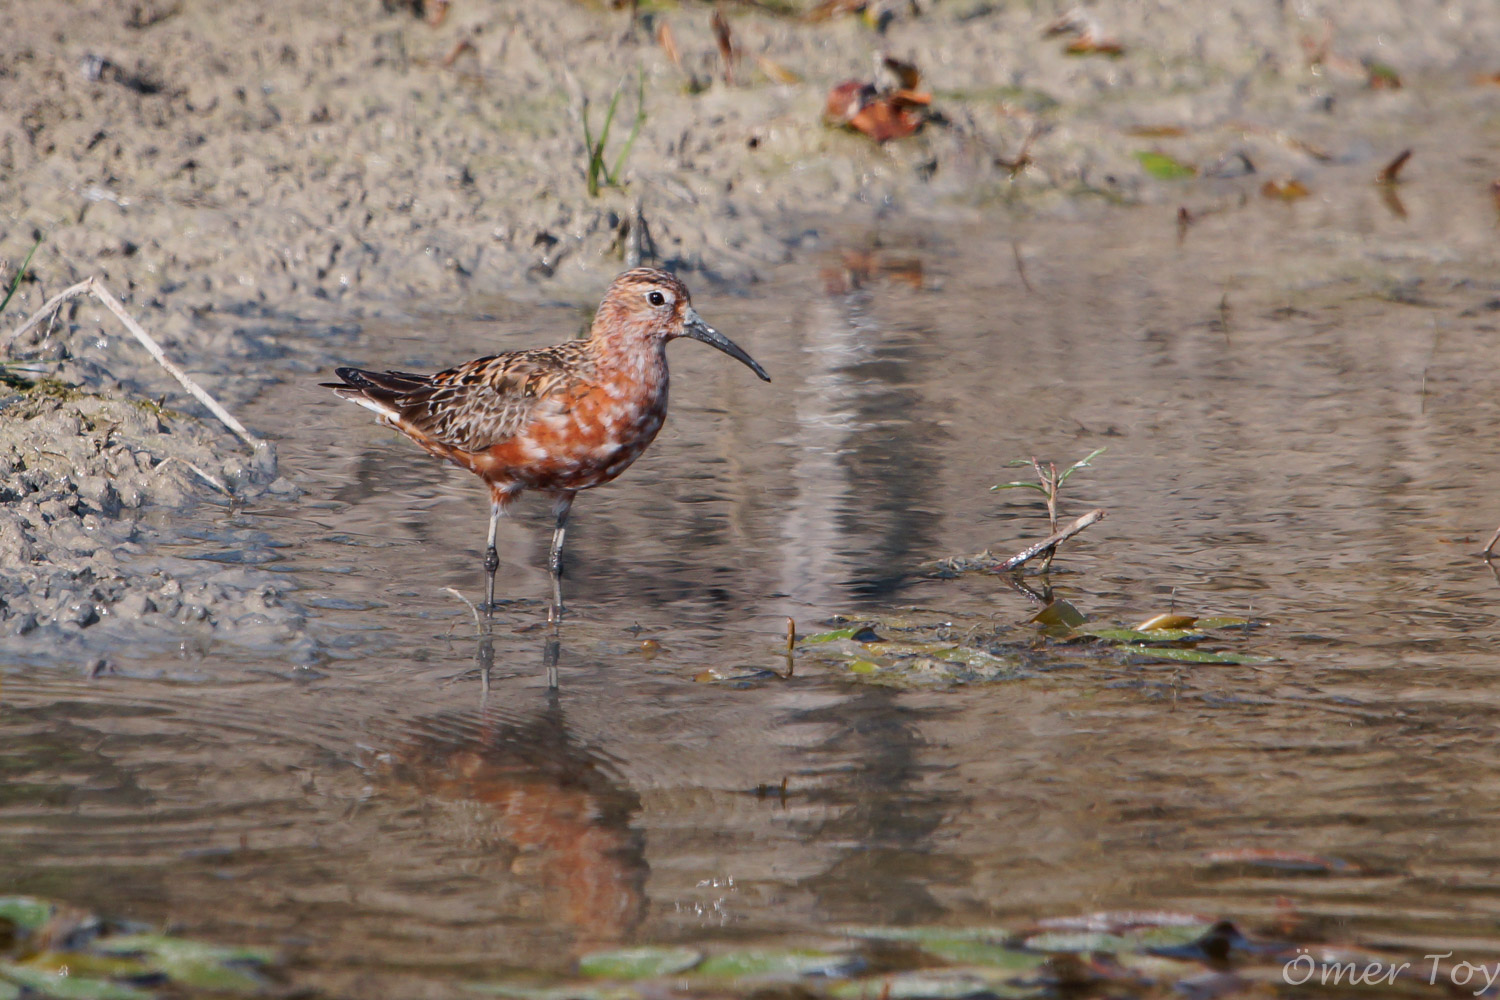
<point>471,407</point>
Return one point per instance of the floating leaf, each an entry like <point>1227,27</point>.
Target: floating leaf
<point>87,964</point>
<point>63,987</point>
<point>859,633</point>
<point>1163,167</point>
<point>931,984</point>
<point>530,991</point>
<point>925,933</point>
<point>1197,656</point>
<point>165,946</point>
<point>638,963</point>
<point>1121,921</point>
<point>26,913</point>
<point>776,963</point>
<point>1118,633</point>
<point>967,951</point>
<point>982,946</point>
<point>194,963</point>
<point>1166,621</point>
<point>1059,612</point>
<point>1123,940</point>
<point>1222,621</point>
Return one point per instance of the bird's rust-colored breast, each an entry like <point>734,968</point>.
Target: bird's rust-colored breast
<point>583,436</point>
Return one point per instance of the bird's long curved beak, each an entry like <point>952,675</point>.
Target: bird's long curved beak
<point>694,327</point>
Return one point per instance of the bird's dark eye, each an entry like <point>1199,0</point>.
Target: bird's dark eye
<point>656,298</point>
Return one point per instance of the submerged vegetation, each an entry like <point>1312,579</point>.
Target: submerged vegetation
<point>55,951</point>
<point>1117,954</point>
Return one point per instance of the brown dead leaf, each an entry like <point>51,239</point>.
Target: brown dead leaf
<point>845,100</point>
<point>882,120</point>
<point>881,116</point>
<point>1393,169</point>
<point>905,71</point>
<point>668,43</point>
<point>1157,131</point>
<point>1093,45</point>
<point>830,9</point>
<point>1391,200</point>
<point>774,71</point>
<point>1486,79</point>
<point>726,45</point>
<point>1289,189</point>
<point>459,48</point>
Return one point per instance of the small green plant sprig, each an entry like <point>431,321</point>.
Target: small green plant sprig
<point>1049,483</point>
<point>599,174</point>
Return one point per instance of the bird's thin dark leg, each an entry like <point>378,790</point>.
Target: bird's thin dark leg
<point>560,508</point>
<point>491,557</point>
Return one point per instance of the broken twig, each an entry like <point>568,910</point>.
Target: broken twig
<point>95,287</point>
<point>1052,541</point>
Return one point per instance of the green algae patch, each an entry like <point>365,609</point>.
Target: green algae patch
<point>193,963</point>
<point>25,913</point>
<point>63,986</point>
<point>774,963</point>
<point>1164,167</point>
<point>925,650</point>
<point>115,964</point>
<point>638,963</point>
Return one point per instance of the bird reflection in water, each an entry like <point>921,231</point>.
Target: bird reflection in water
<point>554,815</point>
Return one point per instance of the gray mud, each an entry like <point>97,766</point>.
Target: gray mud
<point>84,570</point>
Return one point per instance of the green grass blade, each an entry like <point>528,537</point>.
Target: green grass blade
<point>16,282</point>
<point>640,119</point>
<point>609,120</point>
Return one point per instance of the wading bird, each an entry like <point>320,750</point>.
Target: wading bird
<point>555,419</point>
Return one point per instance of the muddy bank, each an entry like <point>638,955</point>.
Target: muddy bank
<point>208,156</point>
<point>90,482</point>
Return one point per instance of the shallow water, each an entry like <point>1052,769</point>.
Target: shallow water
<point>1296,402</point>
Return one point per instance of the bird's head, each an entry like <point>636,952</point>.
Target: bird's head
<point>651,306</point>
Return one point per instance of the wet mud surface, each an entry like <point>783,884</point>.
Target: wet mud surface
<point>250,712</point>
